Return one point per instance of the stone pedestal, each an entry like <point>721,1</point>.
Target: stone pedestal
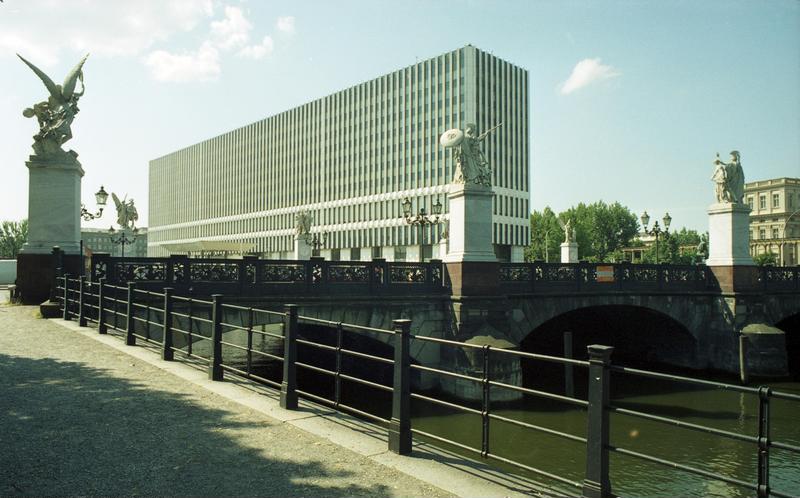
<point>728,235</point>
<point>470,230</point>
<point>54,206</point>
<point>569,252</point>
<point>302,249</point>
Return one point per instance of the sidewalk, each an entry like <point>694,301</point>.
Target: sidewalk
<point>84,414</point>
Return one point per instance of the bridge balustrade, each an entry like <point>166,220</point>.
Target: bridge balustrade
<point>541,277</point>
<point>251,276</point>
<point>137,314</point>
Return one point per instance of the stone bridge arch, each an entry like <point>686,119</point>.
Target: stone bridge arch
<point>696,331</point>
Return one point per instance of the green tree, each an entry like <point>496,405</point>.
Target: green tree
<point>601,231</point>
<point>12,235</point>
<point>765,258</point>
<point>678,247</point>
<point>546,237</point>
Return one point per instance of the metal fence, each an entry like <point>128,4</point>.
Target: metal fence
<point>151,317</point>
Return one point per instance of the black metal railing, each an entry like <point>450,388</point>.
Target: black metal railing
<point>593,277</point>
<point>251,276</point>
<point>208,322</point>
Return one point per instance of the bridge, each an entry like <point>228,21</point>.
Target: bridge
<point>689,316</point>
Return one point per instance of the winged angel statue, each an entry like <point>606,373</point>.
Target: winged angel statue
<point>55,115</point>
<point>569,231</point>
<point>126,212</point>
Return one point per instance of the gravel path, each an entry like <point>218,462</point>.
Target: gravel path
<point>80,418</point>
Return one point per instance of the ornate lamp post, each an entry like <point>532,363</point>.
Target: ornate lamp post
<point>100,197</point>
<point>122,238</point>
<point>421,219</point>
<point>656,230</point>
<point>317,241</point>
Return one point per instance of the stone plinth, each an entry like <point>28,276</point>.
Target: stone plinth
<point>470,230</point>
<point>474,278</point>
<point>728,235</point>
<point>302,249</point>
<point>569,252</point>
<point>54,206</point>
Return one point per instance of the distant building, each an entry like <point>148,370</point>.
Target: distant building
<point>99,240</point>
<point>775,218</point>
<point>350,159</point>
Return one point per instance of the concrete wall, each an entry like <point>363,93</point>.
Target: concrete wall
<point>8,271</point>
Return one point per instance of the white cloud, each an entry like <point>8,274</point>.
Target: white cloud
<point>43,29</point>
<point>258,51</point>
<point>233,31</point>
<point>585,73</point>
<point>201,65</point>
<point>286,24</point>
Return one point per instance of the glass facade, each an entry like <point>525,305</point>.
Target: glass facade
<point>349,159</point>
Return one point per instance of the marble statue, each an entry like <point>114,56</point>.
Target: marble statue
<point>569,232</point>
<point>303,221</point>
<point>471,163</point>
<point>55,115</point>
<point>728,179</point>
<point>127,215</point>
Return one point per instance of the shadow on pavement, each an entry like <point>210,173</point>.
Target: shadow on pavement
<point>69,429</point>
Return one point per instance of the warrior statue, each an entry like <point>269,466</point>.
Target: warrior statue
<point>55,115</point>
<point>729,179</point>
<point>303,221</point>
<point>471,163</point>
<point>126,212</point>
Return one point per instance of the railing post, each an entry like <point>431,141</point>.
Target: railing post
<point>66,297</point>
<point>130,339</point>
<point>487,401</point>
<point>744,377</point>
<point>763,442</point>
<point>57,264</point>
<point>101,312</point>
<point>81,301</point>
<point>289,383</point>
<point>400,424</point>
<point>215,367</point>
<point>596,483</point>
<point>569,370</point>
<point>167,354</point>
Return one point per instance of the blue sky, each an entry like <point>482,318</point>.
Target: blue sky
<point>630,100</point>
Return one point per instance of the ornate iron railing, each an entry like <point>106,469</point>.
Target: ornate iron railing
<point>597,277</point>
<point>258,277</point>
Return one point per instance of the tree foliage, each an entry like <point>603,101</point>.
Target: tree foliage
<point>765,258</point>
<point>680,247</point>
<point>12,235</point>
<point>601,231</point>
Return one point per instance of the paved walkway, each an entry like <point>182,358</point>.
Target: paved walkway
<point>82,414</point>
<point>79,417</point>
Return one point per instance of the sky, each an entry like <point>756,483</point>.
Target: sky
<point>630,100</point>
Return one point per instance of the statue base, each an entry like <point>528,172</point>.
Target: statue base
<point>569,252</point>
<point>302,249</point>
<point>35,275</point>
<point>54,206</point>
<point>470,233</point>
<point>729,235</point>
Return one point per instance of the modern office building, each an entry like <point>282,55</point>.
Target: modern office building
<point>350,159</point>
<point>775,218</point>
<point>100,240</point>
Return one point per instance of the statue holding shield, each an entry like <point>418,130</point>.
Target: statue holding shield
<point>471,163</point>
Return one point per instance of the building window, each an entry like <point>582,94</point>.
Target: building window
<point>750,202</point>
<point>355,254</point>
<point>775,233</point>
<point>399,253</point>
<point>336,254</point>
<point>377,252</point>
<point>751,235</point>
<point>776,200</point>
<point>762,202</point>
<point>762,233</point>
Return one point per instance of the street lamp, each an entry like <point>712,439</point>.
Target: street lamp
<point>100,197</point>
<point>656,230</point>
<point>421,219</point>
<point>317,240</point>
<point>122,238</point>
